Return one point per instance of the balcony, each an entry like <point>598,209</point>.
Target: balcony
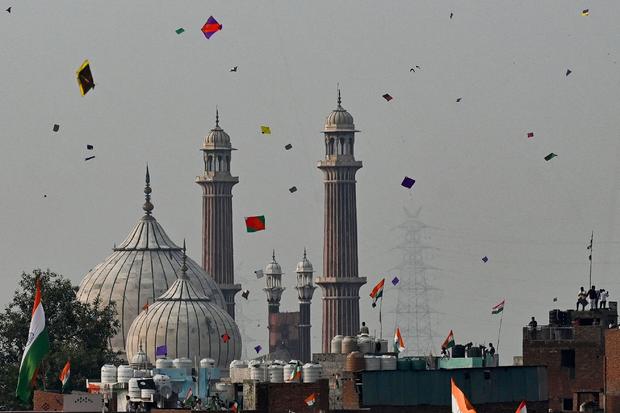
<point>548,333</point>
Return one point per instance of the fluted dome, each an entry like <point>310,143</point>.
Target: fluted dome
<point>273,267</point>
<point>304,265</point>
<point>217,138</point>
<point>339,119</point>
<point>188,323</point>
<point>139,270</point>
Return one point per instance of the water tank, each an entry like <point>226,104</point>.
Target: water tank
<point>183,363</point>
<point>164,363</point>
<point>108,374</point>
<point>365,343</point>
<point>207,363</point>
<point>276,373</point>
<point>226,391</point>
<point>354,362</point>
<point>403,364</point>
<point>312,372</point>
<point>258,372</point>
<point>134,390</point>
<point>146,393</point>
<point>238,364</point>
<point>124,373</point>
<point>564,317</point>
<point>336,344</point>
<point>474,352</point>
<point>458,351</point>
<point>381,346</point>
<point>349,344</point>
<point>372,362</point>
<point>140,373</point>
<point>388,362</point>
<point>288,371</point>
<point>554,317</point>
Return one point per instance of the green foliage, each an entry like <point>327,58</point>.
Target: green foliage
<point>77,332</point>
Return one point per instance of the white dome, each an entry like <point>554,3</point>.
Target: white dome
<point>339,120</point>
<point>217,138</point>
<point>304,265</point>
<point>273,268</point>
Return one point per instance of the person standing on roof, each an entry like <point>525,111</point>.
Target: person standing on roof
<point>593,296</point>
<point>603,294</point>
<point>581,299</point>
<point>364,329</point>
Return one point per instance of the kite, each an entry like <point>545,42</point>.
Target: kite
<point>568,72</point>
<point>265,130</point>
<point>211,27</point>
<point>225,337</point>
<point>387,97</point>
<point>485,259</point>
<point>292,189</point>
<point>85,78</point>
<point>161,351</point>
<point>234,69</point>
<point>245,294</point>
<point>408,182</point>
<point>9,9</point>
<point>310,400</point>
<point>256,223</point>
<point>550,156</point>
<point>530,134</point>
<point>259,274</point>
<point>288,146</point>
<point>179,30</point>
<point>89,147</point>
<point>451,14</point>
<point>555,299</point>
<point>89,158</point>
<point>458,100</point>
<point>395,281</point>
<point>258,349</point>
<point>56,127</point>
<point>585,12</point>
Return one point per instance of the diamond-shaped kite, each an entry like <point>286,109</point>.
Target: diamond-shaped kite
<point>395,280</point>
<point>550,156</point>
<point>211,27</point>
<point>258,349</point>
<point>265,130</point>
<point>485,258</point>
<point>530,134</point>
<point>408,182</point>
<point>85,78</point>
<point>387,97</point>
<point>179,30</point>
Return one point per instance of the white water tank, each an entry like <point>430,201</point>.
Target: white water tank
<point>258,372</point>
<point>183,363</point>
<point>336,344</point>
<point>388,362</point>
<point>207,363</point>
<point>226,391</point>
<point>134,390</point>
<point>164,363</point>
<point>372,362</point>
<point>140,373</point>
<point>349,344</point>
<point>124,373</point>
<point>238,364</point>
<point>276,373</point>
<point>312,372</point>
<point>288,372</point>
<point>365,343</point>
<point>108,374</point>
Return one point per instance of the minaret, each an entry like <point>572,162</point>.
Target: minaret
<point>305,290</point>
<point>274,289</point>
<point>340,281</point>
<point>217,239</point>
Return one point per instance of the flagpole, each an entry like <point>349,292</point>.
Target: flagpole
<point>500,331</point>
<point>380,322</point>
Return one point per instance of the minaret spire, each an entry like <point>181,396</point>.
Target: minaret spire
<point>184,265</point>
<point>217,117</point>
<point>339,99</point>
<point>147,207</point>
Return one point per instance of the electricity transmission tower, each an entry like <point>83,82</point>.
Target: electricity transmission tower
<point>413,313</point>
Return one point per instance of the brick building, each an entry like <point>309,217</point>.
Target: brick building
<point>572,347</point>
<point>612,371</point>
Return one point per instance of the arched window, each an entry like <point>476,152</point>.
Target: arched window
<point>341,148</point>
<point>210,164</point>
<point>331,146</point>
<point>219,162</point>
<point>351,147</point>
<point>228,162</point>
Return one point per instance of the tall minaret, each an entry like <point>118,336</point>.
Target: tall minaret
<point>340,282</point>
<point>305,290</point>
<point>217,237</point>
<point>274,289</point>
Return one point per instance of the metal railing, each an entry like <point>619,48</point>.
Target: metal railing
<point>548,333</point>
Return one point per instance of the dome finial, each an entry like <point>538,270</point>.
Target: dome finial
<point>147,207</point>
<point>305,253</point>
<point>217,117</point>
<point>184,266</point>
<point>339,99</point>
<point>273,255</point>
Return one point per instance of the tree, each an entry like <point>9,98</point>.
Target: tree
<point>77,331</point>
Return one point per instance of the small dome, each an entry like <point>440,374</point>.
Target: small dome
<point>339,120</point>
<point>304,265</point>
<point>140,359</point>
<point>217,138</point>
<point>188,324</point>
<point>273,267</point>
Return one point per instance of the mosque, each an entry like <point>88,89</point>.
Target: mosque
<point>164,298</point>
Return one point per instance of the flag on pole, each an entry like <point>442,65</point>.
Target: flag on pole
<point>295,374</point>
<point>498,308</point>
<point>377,292</point>
<point>460,404</point>
<point>65,374</point>
<point>448,342</point>
<point>37,347</point>
<point>189,394</point>
<point>310,400</point>
<point>399,343</point>
<point>522,408</point>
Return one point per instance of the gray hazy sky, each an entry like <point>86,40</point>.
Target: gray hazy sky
<point>479,179</point>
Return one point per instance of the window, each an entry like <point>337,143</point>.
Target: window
<point>568,358</point>
<point>567,404</point>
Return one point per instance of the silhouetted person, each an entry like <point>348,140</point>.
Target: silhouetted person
<point>364,329</point>
<point>581,299</point>
<point>491,350</point>
<point>531,327</point>
<point>593,296</point>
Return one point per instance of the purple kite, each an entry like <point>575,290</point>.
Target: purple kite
<point>395,281</point>
<point>161,351</point>
<point>210,27</point>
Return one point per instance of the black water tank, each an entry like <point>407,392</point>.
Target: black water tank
<point>474,352</point>
<point>458,351</point>
<point>564,317</point>
<point>554,318</point>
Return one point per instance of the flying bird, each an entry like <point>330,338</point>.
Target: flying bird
<point>451,14</point>
<point>413,70</point>
<point>234,69</point>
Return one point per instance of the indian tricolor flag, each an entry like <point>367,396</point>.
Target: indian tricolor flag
<point>522,408</point>
<point>310,400</point>
<point>399,343</point>
<point>65,374</point>
<point>377,292</point>
<point>498,308</point>
<point>448,342</point>
<point>295,374</point>
<point>460,404</point>
<point>37,347</point>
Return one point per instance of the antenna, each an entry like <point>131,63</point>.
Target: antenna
<point>590,247</point>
